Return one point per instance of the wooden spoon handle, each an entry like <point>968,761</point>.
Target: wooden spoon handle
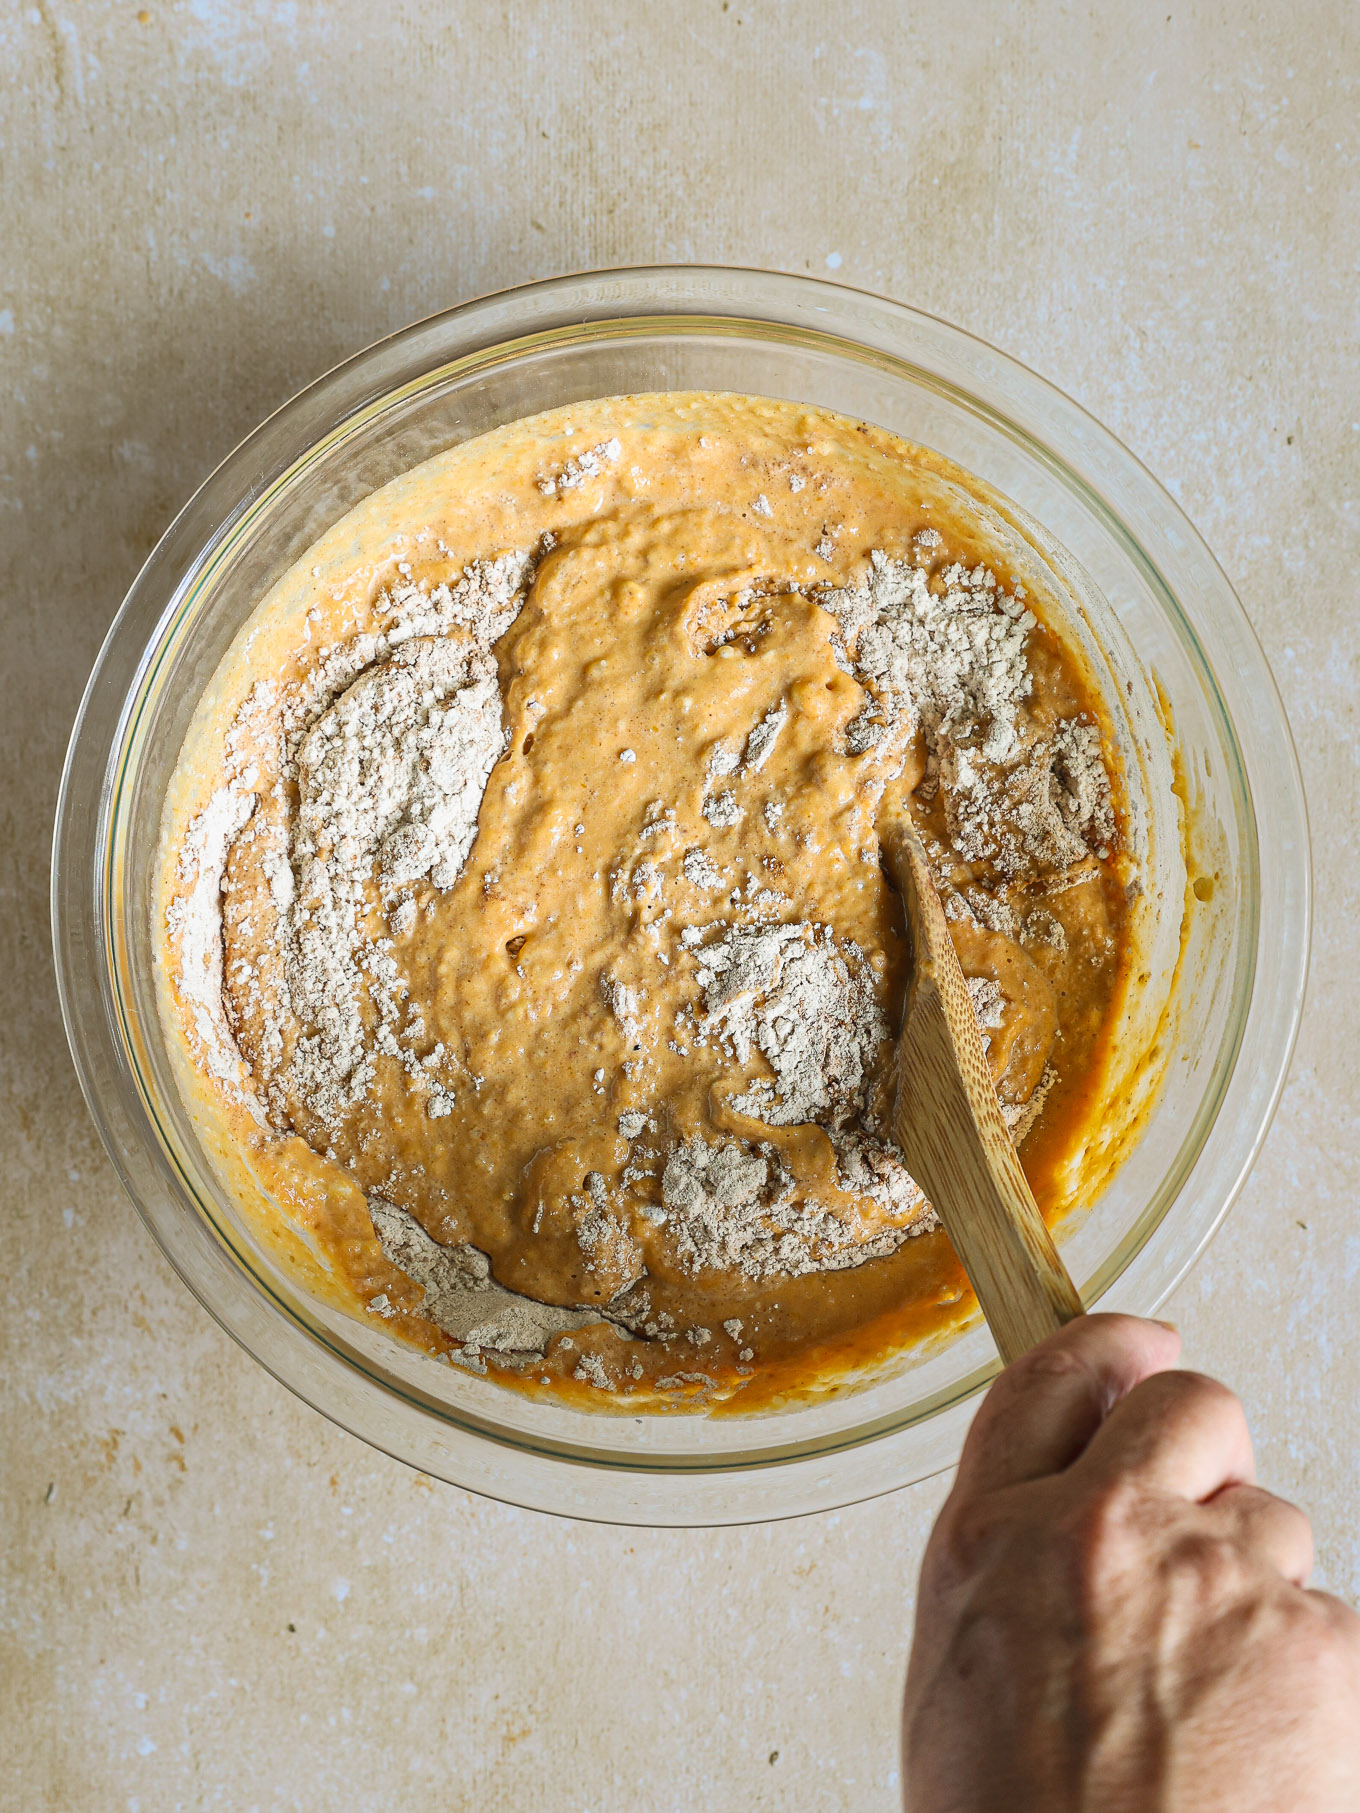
<point>948,1124</point>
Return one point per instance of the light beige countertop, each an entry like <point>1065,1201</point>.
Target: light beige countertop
<point>209,1597</point>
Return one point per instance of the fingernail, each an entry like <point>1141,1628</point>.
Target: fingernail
<point>1169,1326</point>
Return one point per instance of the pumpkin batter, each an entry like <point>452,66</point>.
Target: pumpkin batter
<point>522,902</point>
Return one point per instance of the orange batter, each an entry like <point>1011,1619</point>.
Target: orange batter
<point>523,909</point>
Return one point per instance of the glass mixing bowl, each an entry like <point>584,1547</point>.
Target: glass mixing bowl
<point>1162,625</point>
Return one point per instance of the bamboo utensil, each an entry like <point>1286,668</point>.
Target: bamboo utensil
<point>947,1122</point>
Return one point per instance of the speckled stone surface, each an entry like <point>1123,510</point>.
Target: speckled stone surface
<point>208,1596</point>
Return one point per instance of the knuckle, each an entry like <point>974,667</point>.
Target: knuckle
<point>1291,1523</point>
<point>968,1536</point>
<point>1040,1367</point>
<point>992,1638</point>
<point>1212,1399</point>
<point>1345,1627</point>
<point>1105,1528</point>
<point>1284,1510</point>
<point>1196,1389</point>
<point>1322,1642</point>
<point>1208,1566</point>
<point>1048,1362</point>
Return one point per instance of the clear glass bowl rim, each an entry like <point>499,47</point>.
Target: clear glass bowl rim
<point>733,298</point>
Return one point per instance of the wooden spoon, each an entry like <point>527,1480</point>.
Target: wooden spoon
<point>947,1122</point>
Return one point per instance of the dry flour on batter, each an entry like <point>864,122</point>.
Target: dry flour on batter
<point>388,743</point>
<point>946,656</point>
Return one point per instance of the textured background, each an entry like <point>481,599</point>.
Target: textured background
<point>208,1596</point>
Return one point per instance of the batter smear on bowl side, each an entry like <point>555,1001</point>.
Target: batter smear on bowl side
<point>523,928</point>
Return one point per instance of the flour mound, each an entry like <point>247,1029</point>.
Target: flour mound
<point>871,1165</point>
<point>386,745</point>
<point>395,771</point>
<point>731,1206</point>
<point>484,600</point>
<point>460,1295</point>
<point>806,1001</point>
<point>945,656</point>
<point>391,779</point>
<point>949,659</point>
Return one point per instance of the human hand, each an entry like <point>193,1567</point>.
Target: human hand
<point>1112,1615</point>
